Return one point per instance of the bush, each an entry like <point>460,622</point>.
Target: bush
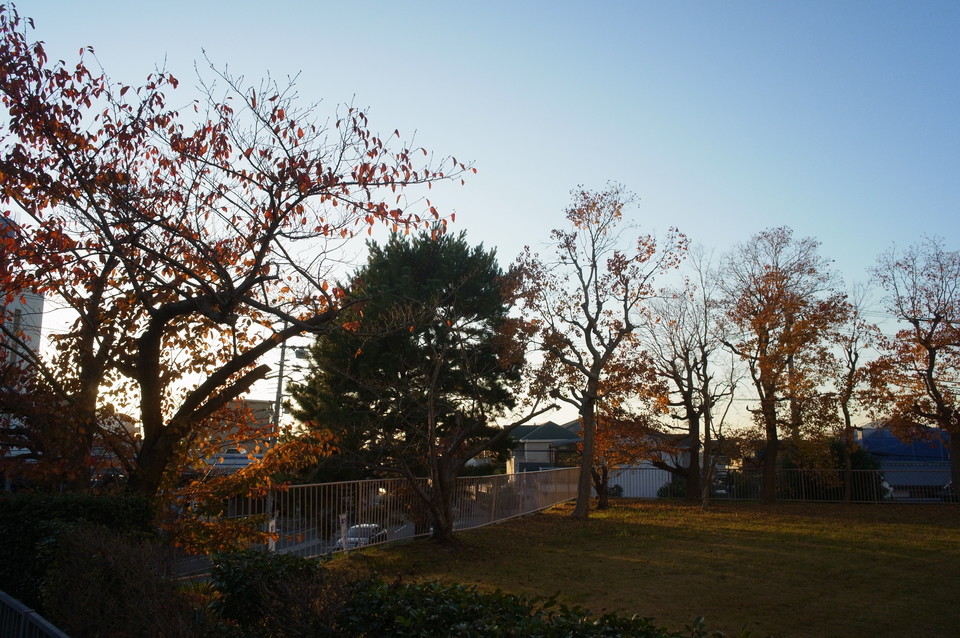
<point>430,609</point>
<point>104,583</point>
<point>676,487</point>
<point>276,595</point>
<point>29,523</point>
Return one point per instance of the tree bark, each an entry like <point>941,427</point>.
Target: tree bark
<point>693,461</point>
<point>585,483</point>
<point>601,481</point>
<point>768,489</point>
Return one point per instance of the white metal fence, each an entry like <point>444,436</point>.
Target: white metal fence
<point>19,621</point>
<point>317,519</point>
<point>898,484</point>
<point>312,520</point>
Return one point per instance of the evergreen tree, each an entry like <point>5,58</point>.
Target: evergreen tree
<point>425,363</point>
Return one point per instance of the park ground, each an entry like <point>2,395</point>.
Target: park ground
<point>787,569</point>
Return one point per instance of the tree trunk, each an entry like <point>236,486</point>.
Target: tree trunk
<point>441,505</point>
<point>155,455</point>
<point>693,462</point>
<point>768,489</point>
<point>707,468</point>
<point>585,483</point>
<point>601,483</point>
<point>847,461</point>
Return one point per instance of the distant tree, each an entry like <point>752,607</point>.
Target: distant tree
<point>781,302</point>
<point>623,438</point>
<point>916,380</point>
<point>682,336</point>
<point>852,340</point>
<point>186,242</point>
<point>426,365</point>
<point>587,304</point>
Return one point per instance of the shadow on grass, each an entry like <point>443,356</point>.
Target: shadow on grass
<point>786,569</point>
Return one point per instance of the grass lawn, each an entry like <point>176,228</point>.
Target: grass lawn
<point>784,570</point>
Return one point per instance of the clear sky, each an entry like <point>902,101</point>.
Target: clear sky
<point>840,119</point>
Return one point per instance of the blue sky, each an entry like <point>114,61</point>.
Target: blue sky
<point>838,119</point>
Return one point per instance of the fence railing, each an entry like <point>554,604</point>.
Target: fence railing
<point>322,518</point>
<point>907,484</point>
<point>318,519</point>
<point>312,520</point>
<point>19,621</point>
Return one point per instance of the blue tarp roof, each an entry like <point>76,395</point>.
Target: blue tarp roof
<point>887,448</point>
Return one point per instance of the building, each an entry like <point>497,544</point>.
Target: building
<point>22,321</point>
<point>21,315</point>
<point>918,468</point>
<point>540,447</point>
<point>240,444</point>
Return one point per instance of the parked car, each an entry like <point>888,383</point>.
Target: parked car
<point>362,534</point>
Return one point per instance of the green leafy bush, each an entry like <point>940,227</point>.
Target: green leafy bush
<point>268,595</point>
<point>108,584</point>
<point>430,609</point>
<point>30,523</point>
<point>676,487</point>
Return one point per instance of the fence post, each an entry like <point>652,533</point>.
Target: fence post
<point>271,523</point>
<point>342,519</point>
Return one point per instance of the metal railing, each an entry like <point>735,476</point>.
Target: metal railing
<point>318,519</point>
<point>897,484</point>
<point>19,621</point>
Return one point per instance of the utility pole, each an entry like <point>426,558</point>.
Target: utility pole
<point>278,405</point>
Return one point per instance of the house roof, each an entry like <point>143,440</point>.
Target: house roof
<point>548,431</point>
<point>573,427</point>
<point>886,447</point>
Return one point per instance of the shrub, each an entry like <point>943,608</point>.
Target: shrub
<point>104,583</point>
<point>31,522</point>
<point>430,609</point>
<point>276,595</point>
<point>676,487</point>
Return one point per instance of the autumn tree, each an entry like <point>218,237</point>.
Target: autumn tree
<point>186,242</point>
<point>915,380</point>
<point>780,300</point>
<point>624,437</point>
<point>428,364</point>
<point>683,339</point>
<point>852,340</point>
<point>587,303</point>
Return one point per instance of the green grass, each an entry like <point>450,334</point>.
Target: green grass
<point>787,569</point>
